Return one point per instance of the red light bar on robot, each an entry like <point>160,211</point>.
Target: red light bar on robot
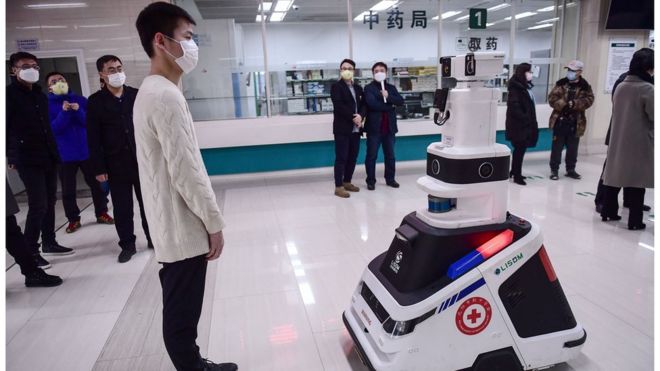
<point>496,244</point>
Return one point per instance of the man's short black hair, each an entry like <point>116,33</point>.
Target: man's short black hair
<point>105,59</point>
<point>382,64</point>
<point>53,74</point>
<point>14,58</point>
<point>349,61</point>
<point>159,17</point>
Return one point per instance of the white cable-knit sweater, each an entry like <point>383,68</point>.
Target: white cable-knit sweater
<point>179,202</point>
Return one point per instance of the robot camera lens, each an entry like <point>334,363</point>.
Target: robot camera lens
<point>486,170</point>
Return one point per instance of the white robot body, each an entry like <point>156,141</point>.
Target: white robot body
<point>464,285</point>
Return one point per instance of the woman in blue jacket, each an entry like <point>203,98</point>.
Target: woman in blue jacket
<point>67,118</point>
<point>381,99</point>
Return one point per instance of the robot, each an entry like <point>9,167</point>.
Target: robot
<point>464,285</point>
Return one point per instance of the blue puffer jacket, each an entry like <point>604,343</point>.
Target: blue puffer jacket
<point>69,127</point>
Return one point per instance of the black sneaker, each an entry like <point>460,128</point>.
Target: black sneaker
<point>393,184</point>
<point>573,175</point>
<point>210,366</point>
<point>55,249</point>
<point>126,254</point>
<point>371,187</point>
<point>41,262</point>
<point>39,278</point>
<point>554,175</point>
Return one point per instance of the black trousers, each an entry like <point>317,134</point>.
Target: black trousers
<point>374,142</point>
<point>559,142</point>
<point>183,285</point>
<point>41,187</point>
<point>17,247</point>
<point>68,174</point>
<point>346,153</point>
<point>122,185</point>
<point>519,150</point>
<point>634,199</point>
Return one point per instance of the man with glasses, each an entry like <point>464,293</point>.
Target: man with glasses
<point>32,150</point>
<point>349,109</point>
<point>67,115</point>
<point>111,141</point>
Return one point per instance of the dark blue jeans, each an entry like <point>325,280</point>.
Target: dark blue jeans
<point>374,142</point>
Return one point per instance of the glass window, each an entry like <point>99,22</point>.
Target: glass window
<point>229,79</point>
<point>404,35</point>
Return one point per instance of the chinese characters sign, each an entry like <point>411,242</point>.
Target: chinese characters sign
<point>474,44</point>
<point>395,19</point>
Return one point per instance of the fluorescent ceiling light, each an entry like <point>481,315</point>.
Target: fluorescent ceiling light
<point>258,18</point>
<point>277,17</point>
<point>521,15</point>
<point>283,6</point>
<point>498,7</point>
<point>490,24</point>
<point>462,18</point>
<point>43,27</point>
<point>100,25</point>
<point>360,17</point>
<point>267,6</point>
<point>551,20</point>
<point>449,14</point>
<point>547,9</point>
<point>540,26</point>
<point>56,6</point>
<point>384,5</point>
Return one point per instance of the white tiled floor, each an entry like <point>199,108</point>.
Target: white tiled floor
<point>293,255</point>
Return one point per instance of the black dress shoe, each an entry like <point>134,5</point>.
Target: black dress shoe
<point>637,227</point>
<point>573,175</point>
<point>210,366</point>
<point>393,184</point>
<point>41,262</point>
<point>55,249</point>
<point>126,254</point>
<point>554,175</point>
<point>371,187</point>
<point>610,218</point>
<point>519,180</point>
<point>39,278</point>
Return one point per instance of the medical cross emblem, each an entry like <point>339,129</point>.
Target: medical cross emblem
<point>473,316</point>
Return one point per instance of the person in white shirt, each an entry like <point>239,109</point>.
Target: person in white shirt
<point>178,197</point>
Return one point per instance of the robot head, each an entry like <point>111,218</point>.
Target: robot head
<point>472,66</point>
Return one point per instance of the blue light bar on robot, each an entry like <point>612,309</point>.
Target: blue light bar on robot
<point>480,255</point>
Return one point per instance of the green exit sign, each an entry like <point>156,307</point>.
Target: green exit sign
<point>477,18</point>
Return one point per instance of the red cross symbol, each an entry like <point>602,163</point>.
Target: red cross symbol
<point>474,316</point>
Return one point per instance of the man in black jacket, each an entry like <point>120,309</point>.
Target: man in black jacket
<point>32,150</point>
<point>349,109</point>
<point>112,149</point>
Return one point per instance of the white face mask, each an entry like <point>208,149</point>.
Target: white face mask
<point>30,75</point>
<point>380,76</point>
<point>528,76</point>
<point>188,61</point>
<point>117,80</point>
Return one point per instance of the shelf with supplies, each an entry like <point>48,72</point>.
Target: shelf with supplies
<point>307,91</point>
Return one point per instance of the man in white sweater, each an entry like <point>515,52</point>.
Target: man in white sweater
<point>179,200</point>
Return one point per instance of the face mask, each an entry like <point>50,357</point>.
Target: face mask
<point>117,80</point>
<point>571,75</point>
<point>30,75</point>
<point>380,76</point>
<point>528,76</point>
<point>188,61</point>
<point>347,75</point>
<point>60,88</point>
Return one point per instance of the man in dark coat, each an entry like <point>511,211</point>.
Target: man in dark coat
<point>381,127</point>
<point>112,149</point>
<point>32,150</point>
<point>522,129</point>
<point>349,109</point>
<point>18,249</point>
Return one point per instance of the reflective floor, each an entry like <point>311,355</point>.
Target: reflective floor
<point>294,253</point>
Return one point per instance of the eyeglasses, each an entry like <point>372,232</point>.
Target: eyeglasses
<point>28,66</point>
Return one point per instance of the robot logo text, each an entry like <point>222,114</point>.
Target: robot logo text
<point>473,316</point>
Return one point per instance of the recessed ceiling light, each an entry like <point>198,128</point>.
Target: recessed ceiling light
<point>384,5</point>
<point>283,5</point>
<point>267,6</point>
<point>259,19</point>
<point>277,17</point>
<point>540,26</point>
<point>498,7</point>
